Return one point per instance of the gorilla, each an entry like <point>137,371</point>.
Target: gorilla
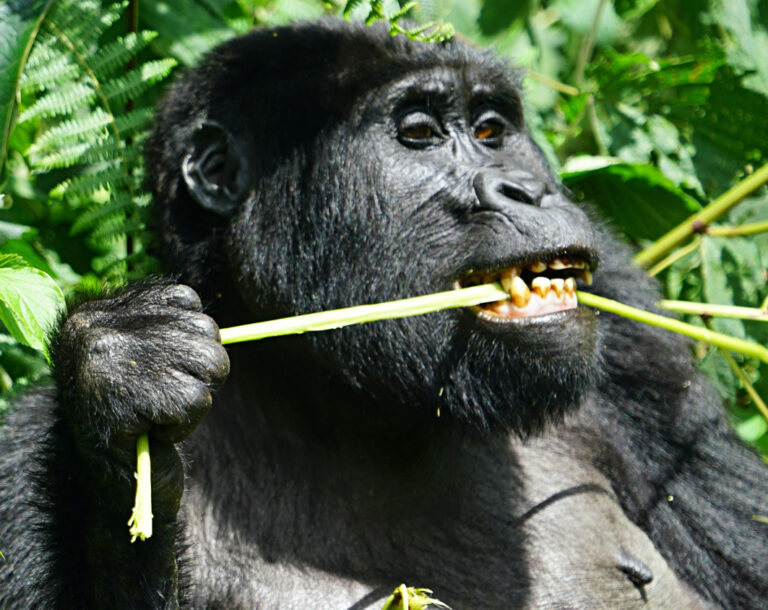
<point>523,454</point>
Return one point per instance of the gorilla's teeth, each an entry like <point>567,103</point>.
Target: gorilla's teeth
<point>570,285</point>
<point>586,276</point>
<point>579,264</point>
<point>537,267</point>
<point>519,292</point>
<point>558,263</point>
<point>540,285</point>
<point>507,276</point>
<point>558,285</point>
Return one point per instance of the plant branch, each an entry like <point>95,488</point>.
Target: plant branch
<point>700,220</point>
<point>715,311</point>
<point>588,46</point>
<point>141,518</point>
<point>750,389</point>
<point>553,84</point>
<point>326,320</point>
<point>675,256</point>
<point>750,229</point>
<point>734,344</point>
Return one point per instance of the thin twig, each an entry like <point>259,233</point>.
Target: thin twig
<point>715,311</point>
<point>701,219</point>
<point>675,256</point>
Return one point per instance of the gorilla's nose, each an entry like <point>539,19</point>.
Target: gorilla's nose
<point>497,189</point>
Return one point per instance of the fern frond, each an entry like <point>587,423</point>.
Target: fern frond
<point>115,228</point>
<point>82,94</point>
<point>44,51</point>
<point>111,176</point>
<point>96,213</point>
<point>91,125</point>
<point>57,69</point>
<point>82,22</point>
<point>92,151</point>
<point>60,101</point>
<point>136,119</point>
<point>133,84</point>
<point>119,52</point>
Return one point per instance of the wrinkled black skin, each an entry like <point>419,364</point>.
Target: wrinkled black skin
<point>375,454</point>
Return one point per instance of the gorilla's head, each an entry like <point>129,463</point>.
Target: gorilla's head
<point>330,165</point>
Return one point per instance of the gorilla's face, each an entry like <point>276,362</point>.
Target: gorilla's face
<point>432,184</point>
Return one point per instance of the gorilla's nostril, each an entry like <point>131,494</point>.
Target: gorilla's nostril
<point>497,189</point>
<point>519,193</point>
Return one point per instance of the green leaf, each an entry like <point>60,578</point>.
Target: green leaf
<point>30,301</point>
<point>19,23</point>
<point>498,15</point>
<point>639,198</point>
<point>752,428</point>
<point>633,9</point>
<point>187,29</point>
<point>732,274</point>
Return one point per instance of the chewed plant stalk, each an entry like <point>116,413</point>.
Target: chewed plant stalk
<point>141,519</point>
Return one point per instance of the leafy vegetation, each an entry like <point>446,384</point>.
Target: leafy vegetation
<point>649,109</point>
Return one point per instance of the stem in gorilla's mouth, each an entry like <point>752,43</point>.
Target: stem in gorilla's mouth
<point>535,289</point>
<point>554,298</point>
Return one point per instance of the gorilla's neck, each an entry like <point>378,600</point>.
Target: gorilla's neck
<point>273,394</point>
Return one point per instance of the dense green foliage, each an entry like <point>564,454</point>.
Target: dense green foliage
<point>649,109</point>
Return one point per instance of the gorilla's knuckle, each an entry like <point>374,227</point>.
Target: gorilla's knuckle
<point>181,296</point>
<point>202,325</point>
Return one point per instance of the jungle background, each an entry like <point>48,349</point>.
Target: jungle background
<point>649,109</point>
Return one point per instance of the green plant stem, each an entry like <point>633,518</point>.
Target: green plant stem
<point>748,348</point>
<point>141,519</point>
<point>326,320</point>
<point>701,219</point>
<point>754,228</point>
<point>553,84</point>
<point>750,389</point>
<point>140,523</point>
<point>588,46</point>
<point>675,256</point>
<point>716,311</point>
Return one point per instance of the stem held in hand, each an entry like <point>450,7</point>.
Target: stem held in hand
<point>141,520</point>
<point>140,523</point>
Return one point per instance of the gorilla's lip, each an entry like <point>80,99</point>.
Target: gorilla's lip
<point>538,287</point>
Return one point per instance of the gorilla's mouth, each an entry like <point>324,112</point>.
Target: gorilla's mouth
<point>537,288</point>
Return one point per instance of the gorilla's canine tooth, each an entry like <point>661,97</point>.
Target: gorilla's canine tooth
<point>520,293</point>
<point>570,285</point>
<point>586,276</point>
<point>507,276</point>
<point>558,285</point>
<point>541,285</point>
<point>538,266</point>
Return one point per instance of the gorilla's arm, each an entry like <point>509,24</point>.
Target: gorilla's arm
<point>142,361</point>
<point>682,474</point>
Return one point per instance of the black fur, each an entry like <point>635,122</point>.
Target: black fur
<point>577,460</point>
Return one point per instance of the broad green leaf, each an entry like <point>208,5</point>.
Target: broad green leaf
<point>498,15</point>
<point>748,46</point>
<point>632,9</point>
<point>19,24</point>
<point>732,274</point>
<point>187,29</point>
<point>638,198</point>
<point>30,301</point>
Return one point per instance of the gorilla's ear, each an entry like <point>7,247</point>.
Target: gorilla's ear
<point>216,169</point>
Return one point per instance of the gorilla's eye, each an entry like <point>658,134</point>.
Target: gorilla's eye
<point>489,130</point>
<point>418,129</point>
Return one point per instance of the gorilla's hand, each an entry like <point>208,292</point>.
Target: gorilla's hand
<point>144,361</point>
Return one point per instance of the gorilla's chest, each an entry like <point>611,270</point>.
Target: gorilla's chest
<point>482,530</point>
